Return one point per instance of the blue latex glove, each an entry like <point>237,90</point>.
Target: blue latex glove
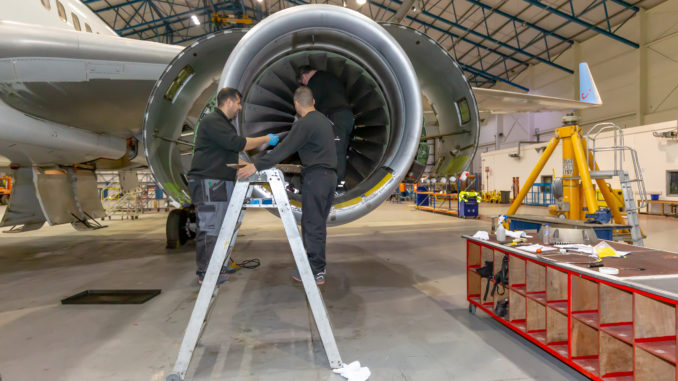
<point>273,139</point>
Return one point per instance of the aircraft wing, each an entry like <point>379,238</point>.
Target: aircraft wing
<point>506,102</point>
<point>84,80</point>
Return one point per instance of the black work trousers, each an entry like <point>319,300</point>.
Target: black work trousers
<point>343,127</point>
<point>210,198</point>
<point>317,192</point>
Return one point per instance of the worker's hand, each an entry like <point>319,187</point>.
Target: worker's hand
<point>273,139</point>
<point>246,171</point>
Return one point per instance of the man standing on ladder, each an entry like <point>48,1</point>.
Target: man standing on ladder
<point>313,138</point>
<point>210,181</point>
<point>332,101</point>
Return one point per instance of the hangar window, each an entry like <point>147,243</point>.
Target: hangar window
<point>464,111</point>
<point>46,4</point>
<point>88,28</point>
<point>62,11</point>
<point>76,21</point>
<point>672,183</point>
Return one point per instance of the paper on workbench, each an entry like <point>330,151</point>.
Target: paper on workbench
<point>481,234</point>
<point>517,234</point>
<point>603,250</point>
<point>535,247</point>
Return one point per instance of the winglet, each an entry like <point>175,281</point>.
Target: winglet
<point>588,92</point>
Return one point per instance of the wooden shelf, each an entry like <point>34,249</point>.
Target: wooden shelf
<point>520,324</point>
<point>516,306</point>
<point>516,271</point>
<point>589,364</point>
<point>616,306</point>
<point>538,296</point>
<point>649,367</point>
<point>588,317</point>
<point>539,335</point>
<point>556,284</point>
<point>665,349</point>
<point>561,349</point>
<point>619,378</point>
<point>519,289</point>
<point>616,356</point>
<point>623,332</point>
<point>558,306</point>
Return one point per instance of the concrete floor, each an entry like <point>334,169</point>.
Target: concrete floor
<point>395,291</point>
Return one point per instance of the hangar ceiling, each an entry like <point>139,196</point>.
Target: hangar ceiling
<point>493,40</point>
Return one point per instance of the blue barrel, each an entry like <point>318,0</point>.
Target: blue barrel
<point>422,199</point>
<point>158,194</point>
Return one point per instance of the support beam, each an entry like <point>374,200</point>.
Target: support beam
<point>500,43</point>
<point>641,70</point>
<point>493,77</point>
<point>402,12</point>
<point>581,22</point>
<point>116,6</point>
<point>491,39</point>
<point>152,24</point>
<point>441,30</point>
<point>522,21</point>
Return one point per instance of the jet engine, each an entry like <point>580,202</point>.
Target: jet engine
<point>385,70</point>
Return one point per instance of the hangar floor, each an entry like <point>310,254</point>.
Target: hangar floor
<point>395,292</point>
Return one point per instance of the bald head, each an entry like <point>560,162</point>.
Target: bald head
<point>304,96</point>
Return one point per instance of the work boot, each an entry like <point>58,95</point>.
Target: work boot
<point>223,276</point>
<point>319,277</point>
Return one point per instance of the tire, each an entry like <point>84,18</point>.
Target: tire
<point>4,199</point>
<point>192,218</point>
<point>175,228</point>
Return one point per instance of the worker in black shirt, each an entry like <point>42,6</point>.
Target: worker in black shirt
<point>331,100</point>
<point>210,181</point>
<point>312,137</point>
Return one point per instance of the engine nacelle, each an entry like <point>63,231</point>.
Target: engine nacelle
<point>384,88</point>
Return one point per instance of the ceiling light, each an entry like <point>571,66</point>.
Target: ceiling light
<point>361,2</point>
<point>259,1</point>
<point>195,20</point>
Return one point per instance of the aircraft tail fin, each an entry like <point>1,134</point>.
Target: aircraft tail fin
<point>588,92</point>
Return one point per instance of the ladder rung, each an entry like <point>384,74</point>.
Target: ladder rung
<point>602,174</point>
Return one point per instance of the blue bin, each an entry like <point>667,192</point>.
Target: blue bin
<point>468,208</point>
<point>654,196</point>
<point>422,199</point>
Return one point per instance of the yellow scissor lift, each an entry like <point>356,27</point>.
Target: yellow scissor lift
<point>580,169</point>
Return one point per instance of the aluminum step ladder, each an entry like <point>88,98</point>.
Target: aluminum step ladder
<point>619,151</point>
<point>238,204</point>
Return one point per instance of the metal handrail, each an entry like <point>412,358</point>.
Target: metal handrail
<point>618,139</point>
<point>638,173</point>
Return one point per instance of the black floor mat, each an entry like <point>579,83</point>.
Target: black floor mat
<point>111,297</point>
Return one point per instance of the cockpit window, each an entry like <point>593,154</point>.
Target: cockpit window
<point>464,111</point>
<point>46,4</point>
<point>76,21</point>
<point>62,11</point>
<point>88,28</point>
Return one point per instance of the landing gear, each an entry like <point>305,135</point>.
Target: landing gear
<point>180,227</point>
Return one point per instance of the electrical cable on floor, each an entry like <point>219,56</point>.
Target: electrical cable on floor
<point>249,263</point>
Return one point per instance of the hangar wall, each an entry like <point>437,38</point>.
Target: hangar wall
<point>638,86</point>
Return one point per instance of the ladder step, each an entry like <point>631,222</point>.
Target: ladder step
<point>602,174</point>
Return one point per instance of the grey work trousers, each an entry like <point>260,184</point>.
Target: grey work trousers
<point>317,193</point>
<point>344,123</point>
<point>210,198</point>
